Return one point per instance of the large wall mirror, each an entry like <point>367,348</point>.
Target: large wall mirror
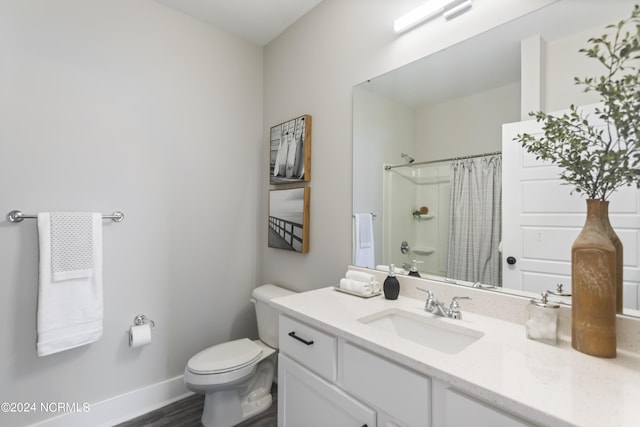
<point>414,125</point>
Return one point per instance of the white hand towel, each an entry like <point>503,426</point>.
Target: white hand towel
<point>361,276</point>
<point>70,308</point>
<point>364,246</point>
<point>71,245</point>
<point>355,286</point>
<point>376,286</point>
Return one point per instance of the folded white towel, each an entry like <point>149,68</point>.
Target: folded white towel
<point>361,276</point>
<point>70,305</point>
<point>365,230</point>
<point>396,270</point>
<point>364,253</point>
<point>355,286</point>
<point>71,245</point>
<point>376,286</point>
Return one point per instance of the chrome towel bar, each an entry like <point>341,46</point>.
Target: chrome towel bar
<point>370,213</point>
<point>18,216</point>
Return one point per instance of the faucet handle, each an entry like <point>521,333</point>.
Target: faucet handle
<point>429,293</point>
<point>430,296</point>
<point>454,302</point>
<point>454,307</point>
<point>431,302</point>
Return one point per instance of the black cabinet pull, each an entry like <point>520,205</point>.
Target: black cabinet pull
<point>293,335</point>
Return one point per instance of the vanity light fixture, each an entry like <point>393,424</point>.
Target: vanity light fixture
<point>457,9</point>
<point>448,8</point>
<point>418,15</point>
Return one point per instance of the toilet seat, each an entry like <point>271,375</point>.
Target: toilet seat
<point>225,357</point>
<point>237,376</point>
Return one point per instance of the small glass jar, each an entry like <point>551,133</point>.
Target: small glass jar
<point>542,320</point>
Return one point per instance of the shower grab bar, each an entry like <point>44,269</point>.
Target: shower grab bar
<point>18,216</point>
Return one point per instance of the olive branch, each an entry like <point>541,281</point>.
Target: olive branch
<point>599,158</point>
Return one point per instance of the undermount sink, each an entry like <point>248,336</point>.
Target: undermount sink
<point>433,332</point>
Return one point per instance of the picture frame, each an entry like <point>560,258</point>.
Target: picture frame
<point>290,151</point>
<point>289,219</point>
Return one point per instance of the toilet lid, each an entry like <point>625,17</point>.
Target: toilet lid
<point>225,357</point>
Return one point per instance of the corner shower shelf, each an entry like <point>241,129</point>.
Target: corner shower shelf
<point>425,217</point>
<point>423,251</point>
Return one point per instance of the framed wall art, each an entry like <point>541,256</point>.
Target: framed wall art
<point>290,151</point>
<point>289,219</point>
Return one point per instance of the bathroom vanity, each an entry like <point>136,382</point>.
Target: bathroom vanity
<point>350,361</point>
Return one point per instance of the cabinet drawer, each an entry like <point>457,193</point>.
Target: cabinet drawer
<point>401,393</point>
<point>310,347</point>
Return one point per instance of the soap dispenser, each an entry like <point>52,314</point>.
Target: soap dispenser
<point>391,286</point>
<point>542,320</point>
<point>414,269</point>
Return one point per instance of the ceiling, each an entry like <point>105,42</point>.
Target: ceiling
<point>257,21</point>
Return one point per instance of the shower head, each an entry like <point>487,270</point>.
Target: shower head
<point>407,157</point>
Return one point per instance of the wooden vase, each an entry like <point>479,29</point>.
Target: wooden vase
<point>617,243</point>
<point>594,285</point>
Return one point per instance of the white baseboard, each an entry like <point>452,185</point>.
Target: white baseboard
<point>124,407</point>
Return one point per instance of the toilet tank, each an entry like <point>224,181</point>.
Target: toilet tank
<point>266,315</point>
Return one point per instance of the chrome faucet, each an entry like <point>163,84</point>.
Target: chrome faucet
<point>454,308</point>
<point>434,306</point>
<point>481,286</point>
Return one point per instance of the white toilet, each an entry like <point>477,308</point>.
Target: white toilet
<point>236,376</point>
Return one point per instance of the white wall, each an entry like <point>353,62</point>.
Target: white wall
<point>311,69</point>
<point>128,105</point>
<point>386,128</point>
<point>564,62</point>
<point>464,126</point>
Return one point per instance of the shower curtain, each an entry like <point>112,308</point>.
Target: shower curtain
<point>475,220</point>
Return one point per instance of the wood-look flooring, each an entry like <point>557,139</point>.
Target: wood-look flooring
<point>187,413</point>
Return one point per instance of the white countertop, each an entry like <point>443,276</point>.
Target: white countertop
<point>550,385</point>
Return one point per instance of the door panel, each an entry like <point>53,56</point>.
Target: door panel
<point>541,219</point>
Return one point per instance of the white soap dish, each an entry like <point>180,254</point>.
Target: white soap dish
<point>358,294</point>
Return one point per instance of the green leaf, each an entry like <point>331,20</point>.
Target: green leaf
<point>598,160</point>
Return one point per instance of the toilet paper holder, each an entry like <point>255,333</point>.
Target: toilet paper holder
<point>141,319</point>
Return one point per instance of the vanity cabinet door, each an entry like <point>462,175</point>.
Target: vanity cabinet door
<point>305,399</point>
<point>390,388</point>
<point>452,408</point>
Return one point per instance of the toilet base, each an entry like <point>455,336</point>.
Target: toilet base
<point>234,412</point>
<point>226,408</point>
